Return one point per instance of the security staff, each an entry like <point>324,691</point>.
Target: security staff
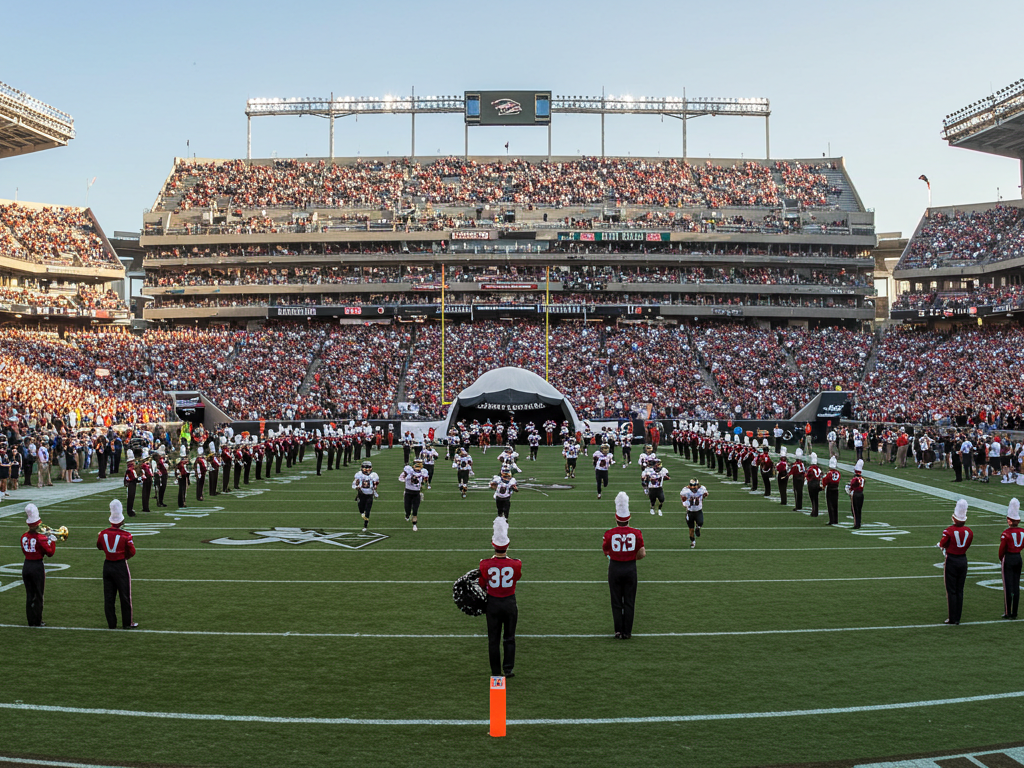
<point>35,546</point>
<point>499,575</point>
<point>955,542</point>
<point>1010,544</point>
<point>624,546</point>
<point>117,547</point>
<point>415,479</point>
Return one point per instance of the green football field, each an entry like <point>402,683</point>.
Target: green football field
<point>776,641</point>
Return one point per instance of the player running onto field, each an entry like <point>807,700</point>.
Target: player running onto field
<point>656,475</point>
<point>692,499</point>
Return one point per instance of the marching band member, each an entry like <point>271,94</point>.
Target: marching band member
<point>499,575</point>
<point>1010,544</point>
<point>814,483</point>
<point>623,545</point>
<point>954,543</point>
<point>35,546</point>
<point>131,480</point>
<point>181,473</point>
<point>117,547</point>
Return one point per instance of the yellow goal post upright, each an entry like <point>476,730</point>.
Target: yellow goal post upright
<point>443,401</point>
<point>547,317</point>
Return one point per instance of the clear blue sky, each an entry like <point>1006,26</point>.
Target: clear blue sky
<point>870,80</point>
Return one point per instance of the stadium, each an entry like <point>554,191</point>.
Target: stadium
<point>281,321</point>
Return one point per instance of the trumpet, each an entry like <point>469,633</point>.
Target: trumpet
<point>60,533</point>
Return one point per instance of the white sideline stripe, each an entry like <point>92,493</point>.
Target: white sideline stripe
<point>604,636</point>
<point>526,721</point>
<point>940,493</point>
<point>448,581</point>
<point>54,763</point>
<point>48,497</point>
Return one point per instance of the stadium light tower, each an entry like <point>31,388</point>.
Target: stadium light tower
<point>679,107</point>
<point>994,125</point>
<point>29,125</point>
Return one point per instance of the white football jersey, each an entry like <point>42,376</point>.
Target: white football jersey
<point>464,462</point>
<point>655,477</point>
<point>571,450</point>
<point>503,488</point>
<point>414,479</point>
<point>694,500</point>
<point>603,460</point>
<point>365,483</point>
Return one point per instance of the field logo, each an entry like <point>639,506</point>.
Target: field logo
<point>346,539</point>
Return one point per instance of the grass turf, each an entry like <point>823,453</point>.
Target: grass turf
<point>715,632</point>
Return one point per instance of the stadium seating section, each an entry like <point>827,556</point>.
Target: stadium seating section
<point>701,370</point>
<point>966,239</point>
<point>53,236</point>
<point>455,182</point>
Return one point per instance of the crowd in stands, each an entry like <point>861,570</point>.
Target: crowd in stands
<point>56,236</point>
<point>984,296</point>
<point>360,372</point>
<point>455,181</point>
<point>827,358</point>
<point>994,234</point>
<point>969,375</point>
<point>699,370</point>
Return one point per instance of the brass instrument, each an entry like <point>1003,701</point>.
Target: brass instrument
<point>61,533</point>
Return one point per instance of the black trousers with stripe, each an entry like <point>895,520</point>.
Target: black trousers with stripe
<point>34,576</point>
<point>622,585</point>
<point>117,582</point>
<point>955,573</point>
<point>502,617</point>
<point>1011,583</point>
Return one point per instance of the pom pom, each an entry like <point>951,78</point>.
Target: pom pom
<point>469,596</point>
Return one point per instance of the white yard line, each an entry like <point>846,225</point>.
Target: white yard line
<point>527,721</point>
<point>449,636</point>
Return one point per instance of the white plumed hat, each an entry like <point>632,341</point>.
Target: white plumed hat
<point>833,463</point>
<point>183,452</point>
<point>1013,510</point>
<point>622,506</point>
<point>960,512</point>
<point>814,458</point>
<point>500,538</point>
<point>782,453</point>
<point>799,453</point>
<point>31,514</point>
<point>130,456</point>
<point>200,451</point>
<point>859,466</point>
<point>116,512</point>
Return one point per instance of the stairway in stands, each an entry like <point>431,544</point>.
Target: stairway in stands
<point>400,389</point>
<point>869,364</point>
